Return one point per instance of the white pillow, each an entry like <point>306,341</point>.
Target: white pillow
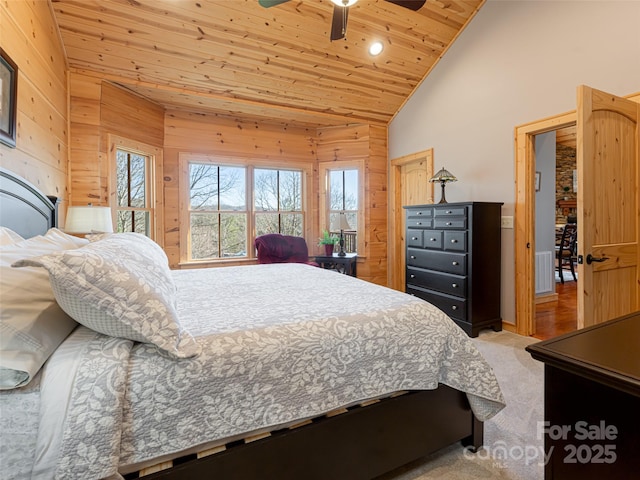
<point>32,325</point>
<point>120,286</point>
<point>8,236</point>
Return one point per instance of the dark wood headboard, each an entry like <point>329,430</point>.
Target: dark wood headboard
<point>23,208</point>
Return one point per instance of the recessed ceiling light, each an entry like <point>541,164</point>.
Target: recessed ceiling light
<point>376,48</point>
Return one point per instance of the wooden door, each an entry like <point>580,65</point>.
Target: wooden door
<point>608,217</point>
<point>408,185</point>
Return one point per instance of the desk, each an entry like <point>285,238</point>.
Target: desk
<point>346,264</point>
<point>592,401</point>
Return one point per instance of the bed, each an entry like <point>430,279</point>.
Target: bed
<point>268,371</point>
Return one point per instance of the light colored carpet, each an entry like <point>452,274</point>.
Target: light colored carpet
<point>511,447</point>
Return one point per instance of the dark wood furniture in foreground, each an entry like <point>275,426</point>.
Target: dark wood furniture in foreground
<point>362,443</point>
<point>592,401</point>
<point>346,264</point>
<point>453,261</point>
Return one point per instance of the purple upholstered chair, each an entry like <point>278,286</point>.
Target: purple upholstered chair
<point>277,248</point>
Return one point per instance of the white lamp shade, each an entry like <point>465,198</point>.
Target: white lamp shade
<point>89,219</point>
<point>340,222</point>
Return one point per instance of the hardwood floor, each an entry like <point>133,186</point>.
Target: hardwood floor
<point>556,318</point>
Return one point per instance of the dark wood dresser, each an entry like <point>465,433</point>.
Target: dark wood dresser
<point>592,401</point>
<point>453,261</point>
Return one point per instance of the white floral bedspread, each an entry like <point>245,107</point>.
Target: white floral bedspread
<point>280,342</point>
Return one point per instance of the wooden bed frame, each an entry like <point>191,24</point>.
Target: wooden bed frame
<point>361,443</point>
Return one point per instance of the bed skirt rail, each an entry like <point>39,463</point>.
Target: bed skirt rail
<point>363,442</point>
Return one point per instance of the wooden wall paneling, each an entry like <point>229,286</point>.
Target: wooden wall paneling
<point>128,115</point>
<point>29,36</point>
<point>85,155</point>
<point>229,138</point>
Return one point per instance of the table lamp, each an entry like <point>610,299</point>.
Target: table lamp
<point>443,176</point>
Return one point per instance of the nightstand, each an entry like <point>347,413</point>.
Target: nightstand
<point>346,264</point>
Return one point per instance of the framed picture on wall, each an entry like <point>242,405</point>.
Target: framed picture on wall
<point>538,175</point>
<point>8,99</point>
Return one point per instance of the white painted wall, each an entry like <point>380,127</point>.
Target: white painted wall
<point>517,62</point>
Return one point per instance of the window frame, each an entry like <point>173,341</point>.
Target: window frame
<point>324,168</point>
<point>153,182</point>
<point>186,158</point>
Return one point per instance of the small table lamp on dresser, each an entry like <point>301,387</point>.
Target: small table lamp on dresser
<point>443,176</point>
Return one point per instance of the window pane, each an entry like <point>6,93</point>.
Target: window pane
<point>267,223</point>
<point>204,235</point>
<point>350,190</point>
<point>290,191</point>
<point>203,186</point>
<point>291,224</point>
<point>122,179</point>
<point>233,234</point>
<point>266,190</point>
<point>138,175</point>
<point>336,190</point>
<point>232,188</point>
<point>124,221</point>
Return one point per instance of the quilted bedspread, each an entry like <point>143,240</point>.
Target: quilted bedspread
<point>280,342</point>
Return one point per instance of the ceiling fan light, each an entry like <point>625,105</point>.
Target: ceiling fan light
<point>344,3</point>
<point>376,48</point>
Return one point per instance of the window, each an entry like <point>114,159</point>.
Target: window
<point>135,177</point>
<point>343,193</point>
<point>218,211</point>
<point>278,202</point>
<point>230,204</point>
<point>133,205</point>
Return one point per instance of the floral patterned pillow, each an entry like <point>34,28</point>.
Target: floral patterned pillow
<point>119,286</point>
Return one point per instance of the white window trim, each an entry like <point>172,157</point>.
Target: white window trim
<point>154,177</point>
<point>323,215</point>
<point>185,158</point>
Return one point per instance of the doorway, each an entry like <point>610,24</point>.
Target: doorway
<point>609,279</point>
<point>556,302</point>
<point>409,185</point>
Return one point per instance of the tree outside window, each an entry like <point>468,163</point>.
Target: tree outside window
<point>218,211</point>
<point>133,193</point>
<point>278,202</point>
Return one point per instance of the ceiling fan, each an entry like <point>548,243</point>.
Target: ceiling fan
<point>341,12</point>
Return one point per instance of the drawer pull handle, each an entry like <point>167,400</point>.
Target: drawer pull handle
<point>432,239</point>
<point>414,238</point>
<point>454,307</point>
<point>418,223</point>
<point>448,224</point>
<point>453,240</point>
<point>419,213</point>
<point>449,212</point>
<point>454,285</point>
<point>455,263</point>
<point>413,257</point>
<point>412,276</point>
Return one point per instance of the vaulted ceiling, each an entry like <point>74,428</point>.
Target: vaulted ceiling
<point>235,57</point>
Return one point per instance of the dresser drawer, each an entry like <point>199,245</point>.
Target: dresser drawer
<point>455,241</point>
<point>418,222</point>
<point>414,238</point>
<point>455,263</point>
<point>432,239</point>
<point>455,307</point>
<point>442,282</point>
<point>420,212</point>
<point>449,211</point>
<point>453,222</point>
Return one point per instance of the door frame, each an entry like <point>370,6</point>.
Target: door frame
<point>524,222</point>
<point>396,228</point>
<point>524,235</point>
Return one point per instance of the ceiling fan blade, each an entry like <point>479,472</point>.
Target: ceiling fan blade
<point>339,22</point>
<point>414,5</point>
<point>271,3</point>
